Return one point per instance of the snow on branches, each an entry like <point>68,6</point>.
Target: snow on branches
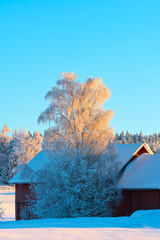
<point>1,211</point>
<point>75,185</point>
<point>81,178</point>
<point>77,111</point>
<point>17,150</point>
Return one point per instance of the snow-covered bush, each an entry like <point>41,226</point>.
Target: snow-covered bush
<point>1,211</point>
<point>75,185</point>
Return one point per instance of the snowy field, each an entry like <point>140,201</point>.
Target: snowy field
<point>141,225</point>
<point>7,197</point>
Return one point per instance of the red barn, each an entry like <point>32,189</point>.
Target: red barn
<point>127,155</point>
<point>22,183</point>
<point>140,184</point>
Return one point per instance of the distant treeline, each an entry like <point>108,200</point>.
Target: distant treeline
<point>22,146</point>
<point>152,140</point>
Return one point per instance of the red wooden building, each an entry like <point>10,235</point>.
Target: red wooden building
<point>140,184</point>
<point>135,197</point>
<point>22,183</point>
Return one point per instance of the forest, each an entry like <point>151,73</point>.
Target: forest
<point>21,146</point>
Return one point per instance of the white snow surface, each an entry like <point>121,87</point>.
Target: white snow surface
<point>141,225</point>
<point>36,163</point>
<point>7,197</point>
<point>126,151</point>
<point>80,234</point>
<point>142,173</point>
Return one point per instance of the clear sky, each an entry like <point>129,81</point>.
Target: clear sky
<point>118,40</point>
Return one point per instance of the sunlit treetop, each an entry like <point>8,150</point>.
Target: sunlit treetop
<point>77,112</point>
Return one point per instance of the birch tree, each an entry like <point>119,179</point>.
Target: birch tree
<point>81,178</point>
<point>77,113</point>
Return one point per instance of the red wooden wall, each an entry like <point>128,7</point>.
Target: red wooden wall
<point>134,200</point>
<point>21,200</point>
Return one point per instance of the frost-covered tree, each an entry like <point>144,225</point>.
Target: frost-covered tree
<point>128,138</point>
<point>158,149</point>
<point>23,147</point>
<point>152,140</point>
<point>77,111</point>
<point>72,186</point>
<point>37,140</point>
<point>12,160</point>
<point>4,148</point>
<point>81,178</point>
<point>19,154</point>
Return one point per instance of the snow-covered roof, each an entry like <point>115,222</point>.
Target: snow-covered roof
<point>126,151</point>
<point>35,164</point>
<point>142,173</point>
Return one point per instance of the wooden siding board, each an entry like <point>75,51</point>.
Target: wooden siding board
<point>135,204</point>
<point>149,199</point>
<point>21,191</point>
<point>134,200</point>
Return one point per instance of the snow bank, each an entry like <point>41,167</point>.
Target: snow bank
<point>141,225</point>
<point>140,219</point>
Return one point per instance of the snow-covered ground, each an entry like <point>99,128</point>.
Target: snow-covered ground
<point>80,234</point>
<point>7,197</point>
<point>141,225</point>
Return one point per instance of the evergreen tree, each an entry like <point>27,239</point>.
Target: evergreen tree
<point>152,140</point>
<point>23,147</point>
<point>4,148</point>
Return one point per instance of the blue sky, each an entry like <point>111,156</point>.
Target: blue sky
<point>118,40</point>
